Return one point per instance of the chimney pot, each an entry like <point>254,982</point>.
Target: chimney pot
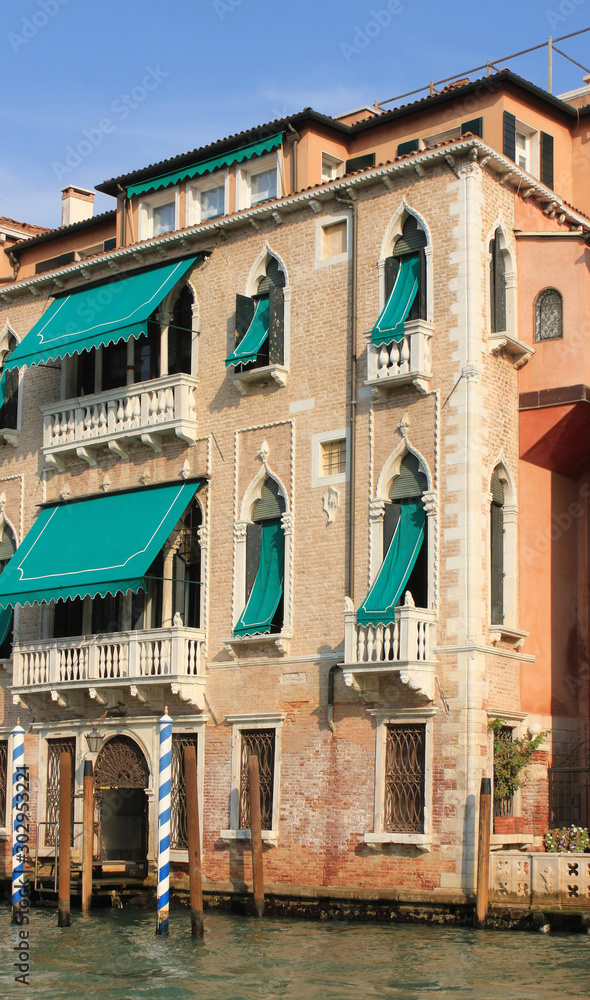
<point>77,204</point>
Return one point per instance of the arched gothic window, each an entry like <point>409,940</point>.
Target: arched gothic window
<point>7,550</point>
<point>497,549</point>
<point>548,315</point>
<point>265,565</point>
<point>9,397</point>
<point>260,323</point>
<point>497,285</point>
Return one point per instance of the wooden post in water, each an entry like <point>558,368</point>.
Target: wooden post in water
<point>194,841</point>
<point>87,836</point>
<point>483,852</point>
<point>65,838</point>
<point>256,835</point>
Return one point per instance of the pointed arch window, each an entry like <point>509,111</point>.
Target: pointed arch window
<point>548,315</point>
<point>260,323</point>
<point>265,565</point>
<point>405,548</point>
<point>497,549</point>
<point>7,550</point>
<point>497,284</point>
<point>9,396</point>
<point>405,284</point>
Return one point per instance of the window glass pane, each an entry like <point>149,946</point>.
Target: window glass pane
<point>212,202</point>
<point>162,219</point>
<point>263,186</point>
<point>146,355</point>
<point>548,315</point>
<point>522,144</point>
<point>334,457</point>
<point>114,365</point>
<point>334,239</point>
<point>330,168</point>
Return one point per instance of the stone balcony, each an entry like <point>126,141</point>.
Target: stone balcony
<point>149,665</point>
<point>404,648</point>
<point>404,362</point>
<point>145,412</point>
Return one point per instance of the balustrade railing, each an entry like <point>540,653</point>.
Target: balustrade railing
<point>409,638</point>
<point>162,405</point>
<point>403,359</point>
<point>173,653</point>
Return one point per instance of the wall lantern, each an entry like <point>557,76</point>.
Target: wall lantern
<point>93,740</point>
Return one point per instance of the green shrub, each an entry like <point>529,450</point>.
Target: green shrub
<point>569,839</point>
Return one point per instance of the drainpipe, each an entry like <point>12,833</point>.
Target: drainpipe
<point>294,138</point>
<point>350,202</point>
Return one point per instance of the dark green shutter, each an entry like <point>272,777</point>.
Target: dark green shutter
<point>7,546</point>
<point>412,238</point>
<point>475,126</point>
<point>9,408</point>
<point>497,286</point>
<point>547,159</point>
<point>497,563</point>
<point>276,326</point>
<point>497,488</point>
<point>411,146</point>
<point>391,269</point>
<point>253,545</point>
<point>273,277</point>
<point>390,519</point>
<point>245,308</point>
<point>509,136</point>
<point>271,504</point>
<point>360,163</point>
<point>411,481</point>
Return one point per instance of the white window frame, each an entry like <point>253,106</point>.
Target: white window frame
<point>244,173</point>
<point>408,716</point>
<point>146,212</point>
<point>207,183</point>
<point>323,223</point>
<point>437,137</point>
<point>532,151</point>
<point>257,720</point>
<point>317,440</point>
<point>334,161</point>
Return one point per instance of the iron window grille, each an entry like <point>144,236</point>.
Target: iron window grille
<point>178,813</point>
<point>404,778</point>
<point>548,315</point>
<point>56,747</point>
<point>261,744</point>
<point>569,785</point>
<point>3,780</point>
<point>504,807</point>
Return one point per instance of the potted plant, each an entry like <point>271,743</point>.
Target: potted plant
<point>511,756</point>
<point>567,840</point>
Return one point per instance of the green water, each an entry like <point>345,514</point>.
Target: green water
<point>115,954</point>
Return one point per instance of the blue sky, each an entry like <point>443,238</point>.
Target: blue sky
<point>136,81</point>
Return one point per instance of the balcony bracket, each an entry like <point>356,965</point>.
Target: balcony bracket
<point>19,702</point>
<point>86,455</point>
<point>55,463</point>
<point>103,696</point>
<point>139,693</point>
<point>190,693</point>
<point>152,442</point>
<point>60,698</point>
<point>118,450</point>
<point>185,435</point>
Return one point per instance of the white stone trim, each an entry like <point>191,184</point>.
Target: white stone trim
<point>259,720</point>
<point>393,229</point>
<point>145,212</point>
<point>324,222</point>
<point>317,440</point>
<point>383,717</point>
<point>510,548</point>
<point>511,278</point>
<point>257,165</point>
<point>194,188</point>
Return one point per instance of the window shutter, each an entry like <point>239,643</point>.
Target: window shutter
<point>360,162</point>
<point>475,126</point>
<point>510,136</point>
<point>391,269</point>
<point>276,326</point>
<point>271,504</point>
<point>7,548</point>
<point>274,277</point>
<point>411,481</point>
<point>547,159</point>
<point>497,563</point>
<point>497,489</point>
<point>412,238</point>
<point>390,519</point>
<point>9,409</point>
<point>245,308</point>
<point>253,546</point>
<point>497,286</point>
<point>411,146</point>
<point>420,301</point>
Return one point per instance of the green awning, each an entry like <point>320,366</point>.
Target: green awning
<point>378,607</point>
<point>92,317</point>
<point>390,325</point>
<point>257,616</point>
<point>206,166</point>
<point>102,545</point>
<point>254,337</point>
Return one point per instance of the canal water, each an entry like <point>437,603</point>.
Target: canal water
<point>115,955</point>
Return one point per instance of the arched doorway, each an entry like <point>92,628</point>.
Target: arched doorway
<point>120,778</point>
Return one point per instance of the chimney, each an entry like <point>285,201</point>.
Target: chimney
<point>77,204</point>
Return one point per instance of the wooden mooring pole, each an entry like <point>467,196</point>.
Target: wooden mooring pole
<point>87,836</point>
<point>194,841</point>
<point>65,838</point>
<point>256,835</point>
<point>483,852</point>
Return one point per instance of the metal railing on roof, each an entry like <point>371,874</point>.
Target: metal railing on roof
<point>492,65</point>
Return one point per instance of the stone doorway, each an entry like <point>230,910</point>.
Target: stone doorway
<point>121,776</point>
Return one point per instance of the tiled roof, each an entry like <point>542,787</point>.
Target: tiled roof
<point>50,234</point>
<point>26,226</point>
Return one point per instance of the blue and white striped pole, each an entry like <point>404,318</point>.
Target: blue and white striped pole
<point>164,823</point>
<point>20,838</point>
